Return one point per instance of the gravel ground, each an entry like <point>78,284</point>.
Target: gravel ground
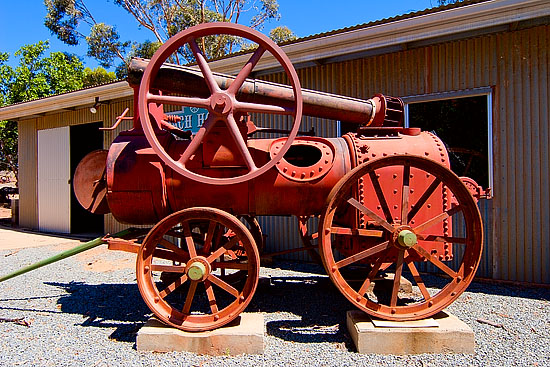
<point>80,316</point>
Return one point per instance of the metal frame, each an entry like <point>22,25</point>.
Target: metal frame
<point>465,93</point>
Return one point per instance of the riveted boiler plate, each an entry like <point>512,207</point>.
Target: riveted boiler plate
<point>90,182</point>
<point>308,159</point>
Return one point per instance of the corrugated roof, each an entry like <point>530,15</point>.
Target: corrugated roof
<point>386,20</point>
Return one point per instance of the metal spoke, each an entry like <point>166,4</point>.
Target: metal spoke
<point>371,275</point>
<point>405,194</point>
<point>219,252</point>
<point>439,238</point>
<point>262,108</point>
<point>189,298</point>
<point>239,141</point>
<point>245,72</point>
<point>371,214</point>
<point>172,286</point>
<point>380,196</point>
<point>189,240</point>
<point>437,219</point>
<point>209,235</point>
<point>229,265</point>
<point>203,65</point>
<point>425,196</point>
<point>223,285</point>
<point>418,280</point>
<point>168,268</point>
<point>197,140</point>
<point>170,246</point>
<point>178,101</point>
<point>434,260</point>
<point>363,254</point>
<point>355,232</point>
<point>397,278</point>
<point>211,297</point>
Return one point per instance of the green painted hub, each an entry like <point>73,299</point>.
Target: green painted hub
<point>196,271</point>
<point>407,238</point>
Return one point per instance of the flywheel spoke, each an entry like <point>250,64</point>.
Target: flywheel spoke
<point>203,65</point>
<point>262,108</point>
<point>239,141</point>
<point>178,101</point>
<point>245,71</point>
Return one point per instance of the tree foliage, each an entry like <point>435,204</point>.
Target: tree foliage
<point>282,34</point>
<point>36,76</point>
<point>67,19</point>
<point>97,76</point>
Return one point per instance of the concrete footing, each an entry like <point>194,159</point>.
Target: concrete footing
<point>444,333</point>
<point>243,335</point>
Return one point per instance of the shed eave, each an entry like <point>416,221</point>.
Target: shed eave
<point>65,101</point>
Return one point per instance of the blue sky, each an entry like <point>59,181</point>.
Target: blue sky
<point>22,21</point>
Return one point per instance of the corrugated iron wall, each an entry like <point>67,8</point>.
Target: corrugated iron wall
<point>28,150</point>
<point>515,64</point>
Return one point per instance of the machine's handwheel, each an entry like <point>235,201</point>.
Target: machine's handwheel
<point>420,216</point>
<point>193,246</point>
<point>222,104</point>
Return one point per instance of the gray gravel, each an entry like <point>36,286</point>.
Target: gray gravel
<point>81,317</point>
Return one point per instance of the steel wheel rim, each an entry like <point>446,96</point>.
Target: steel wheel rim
<point>174,314</point>
<point>431,304</point>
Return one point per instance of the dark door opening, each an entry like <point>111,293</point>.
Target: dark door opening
<point>462,124</point>
<point>84,139</point>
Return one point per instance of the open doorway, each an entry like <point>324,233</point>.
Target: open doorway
<point>463,122</point>
<point>84,139</point>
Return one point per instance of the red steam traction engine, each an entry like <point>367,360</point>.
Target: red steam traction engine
<point>384,194</point>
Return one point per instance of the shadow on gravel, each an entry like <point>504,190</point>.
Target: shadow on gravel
<point>118,306</point>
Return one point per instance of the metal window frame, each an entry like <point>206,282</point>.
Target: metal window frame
<point>465,93</point>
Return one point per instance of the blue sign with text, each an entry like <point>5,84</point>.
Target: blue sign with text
<point>192,118</point>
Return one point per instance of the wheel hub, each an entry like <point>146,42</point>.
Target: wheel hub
<point>407,238</point>
<point>198,269</point>
<point>404,237</point>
